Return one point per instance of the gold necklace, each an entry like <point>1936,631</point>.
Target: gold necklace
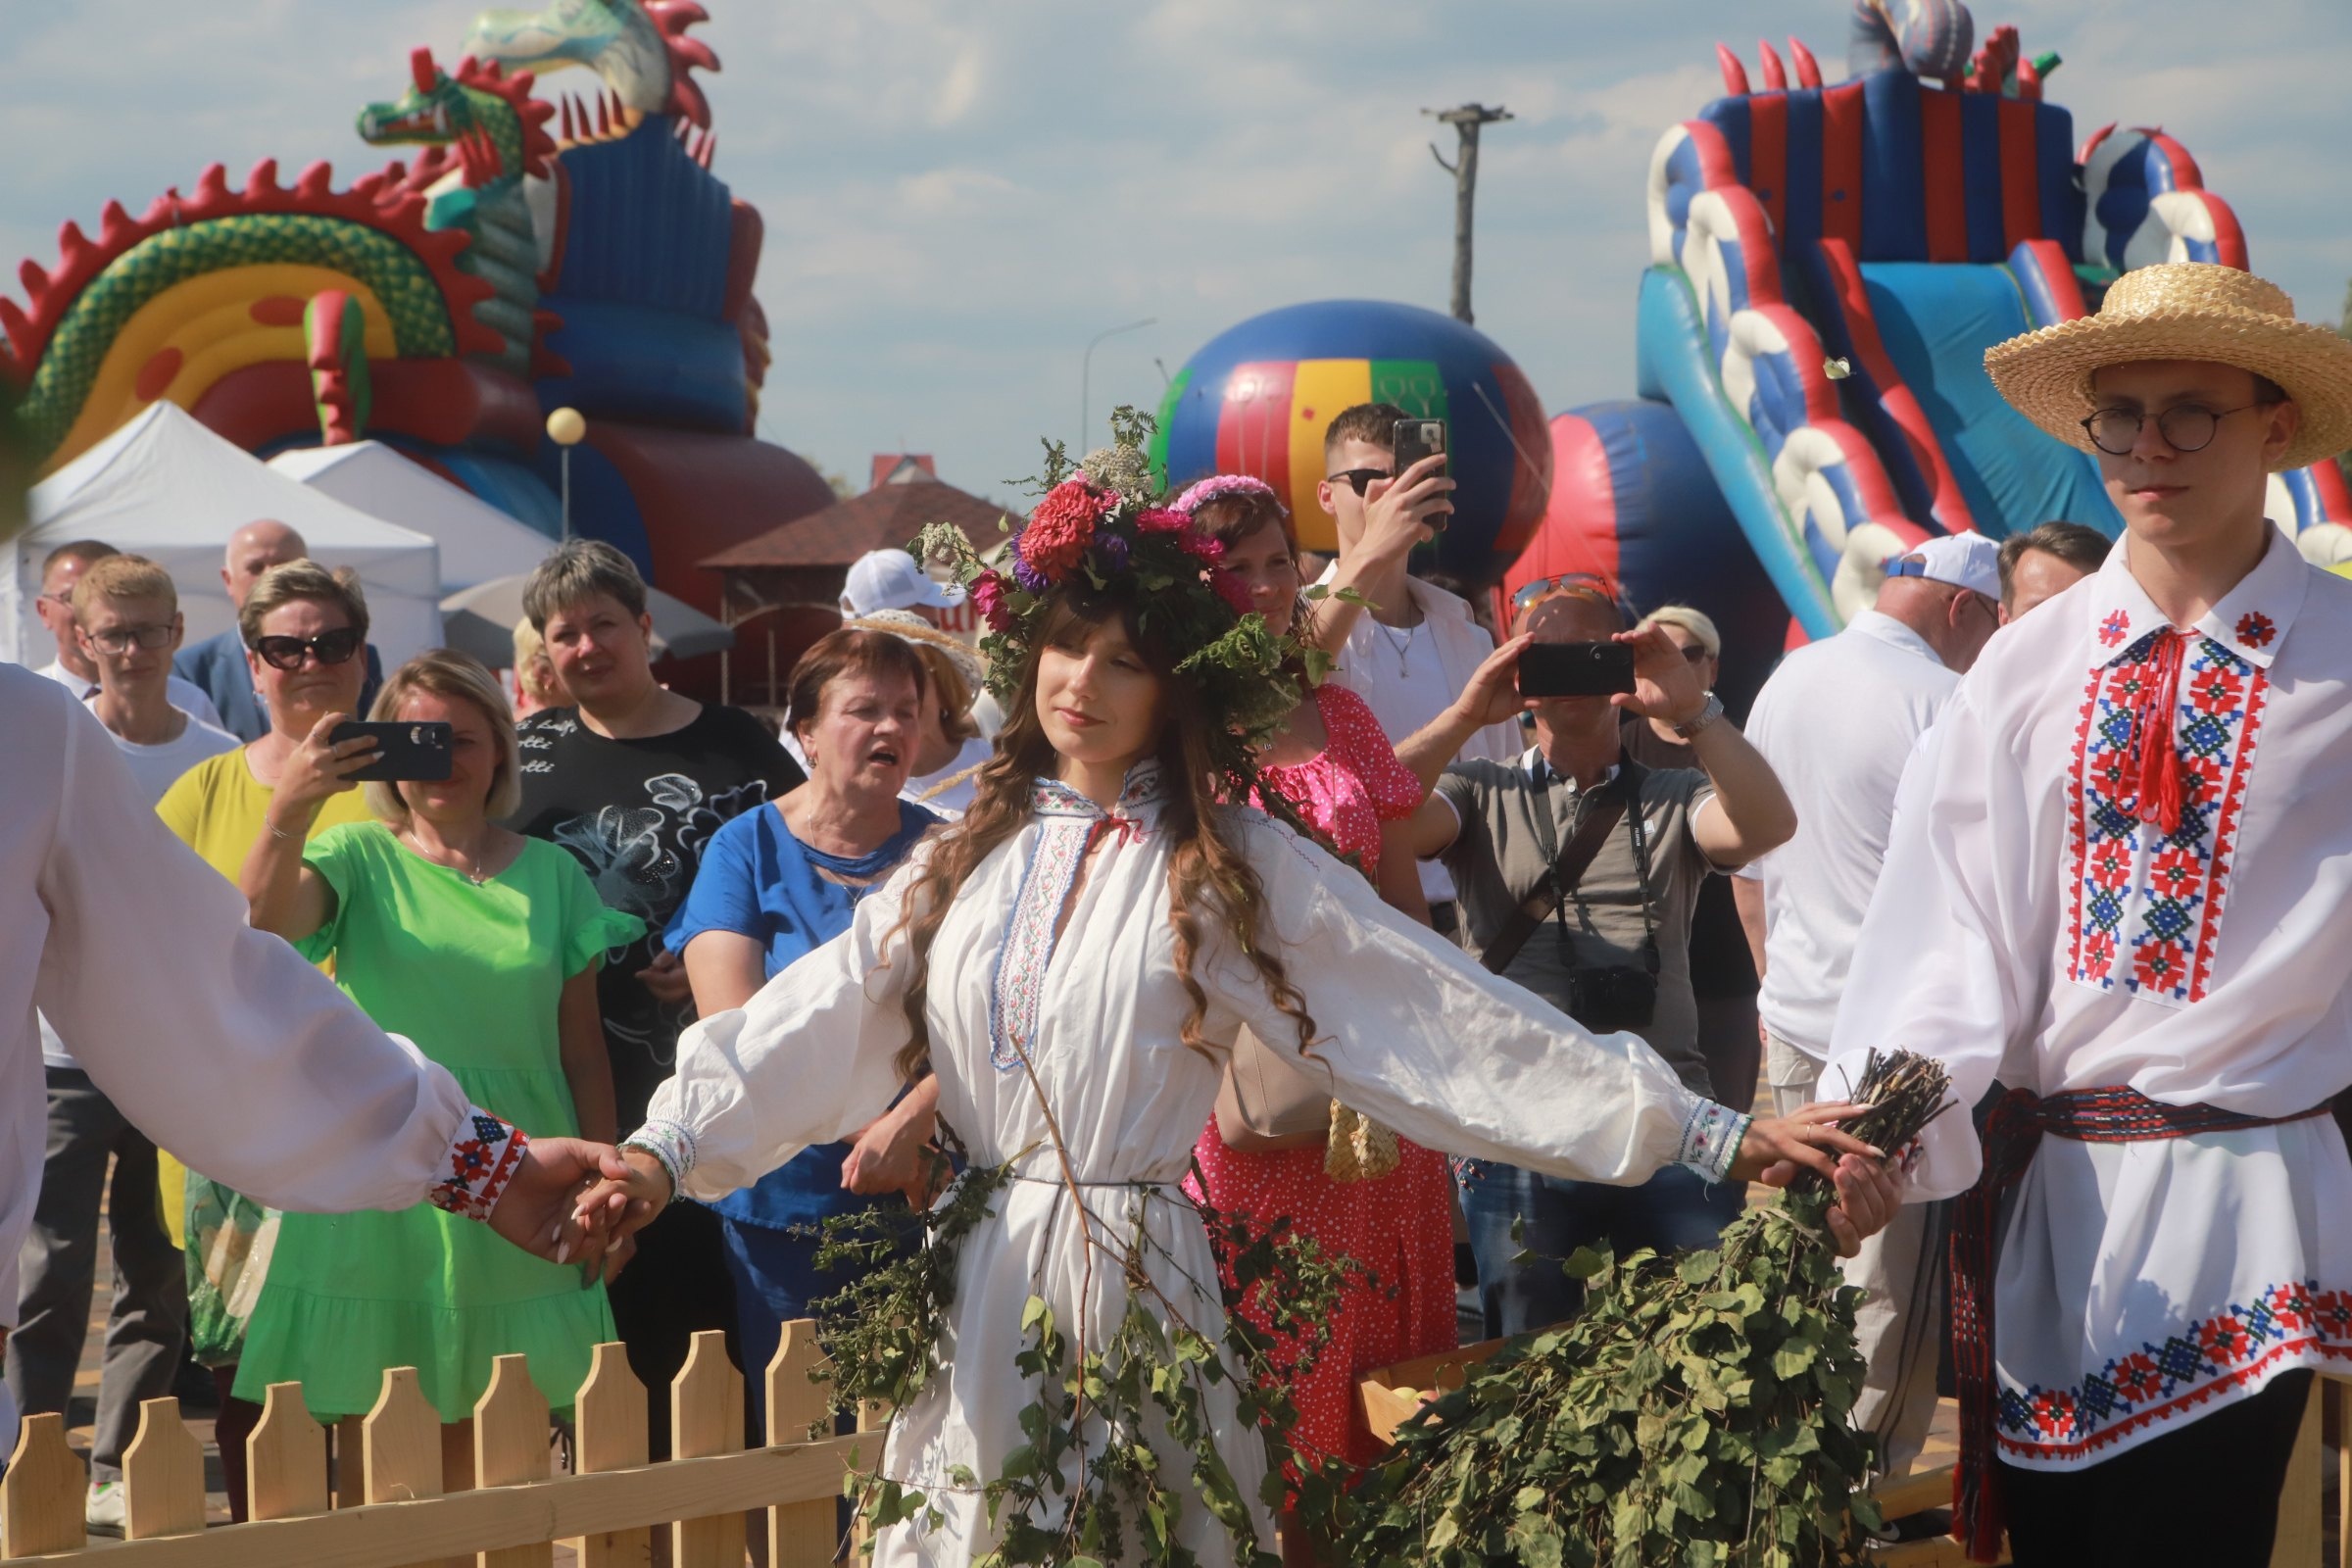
<point>477,876</point>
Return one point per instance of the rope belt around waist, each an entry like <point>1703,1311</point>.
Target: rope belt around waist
<point>2020,1120</point>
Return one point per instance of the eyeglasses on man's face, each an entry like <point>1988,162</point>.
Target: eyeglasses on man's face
<point>121,639</point>
<point>329,648</point>
<point>2185,426</point>
<point>1358,479</point>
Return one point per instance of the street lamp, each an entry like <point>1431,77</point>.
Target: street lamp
<point>565,427</point>
<point>1086,370</point>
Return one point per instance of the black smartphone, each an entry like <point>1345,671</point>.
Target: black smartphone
<point>417,749</point>
<point>1575,670</point>
<point>1415,439</point>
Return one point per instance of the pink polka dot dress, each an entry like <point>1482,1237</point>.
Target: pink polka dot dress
<point>1400,1226</point>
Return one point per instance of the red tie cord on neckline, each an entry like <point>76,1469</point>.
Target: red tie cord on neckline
<point>2157,767</point>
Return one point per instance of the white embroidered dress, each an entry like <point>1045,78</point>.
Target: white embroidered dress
<point>1416,1036</point>
<point>2054,941</point>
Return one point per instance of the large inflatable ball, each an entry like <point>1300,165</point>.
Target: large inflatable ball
<point>1259,397</point>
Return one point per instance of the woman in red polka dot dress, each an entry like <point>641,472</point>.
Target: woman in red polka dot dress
<point>1339,770</point>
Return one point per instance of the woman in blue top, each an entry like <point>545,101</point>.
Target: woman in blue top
<point>778,882</point>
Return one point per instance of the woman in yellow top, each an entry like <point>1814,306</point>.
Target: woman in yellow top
<point>304,629</point>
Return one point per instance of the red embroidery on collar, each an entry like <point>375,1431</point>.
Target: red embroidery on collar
<point>2255,630</point>
<point>2113,629</point>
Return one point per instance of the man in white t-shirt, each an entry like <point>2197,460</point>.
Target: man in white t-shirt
<point>1837,721</point>
<point>71,669</point>
<point>127,625</point>
<point>1407,649</point>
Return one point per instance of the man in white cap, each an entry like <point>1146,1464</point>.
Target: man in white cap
<point>893,579</point>
<point>1837,721</point>
<point>2131,899</point>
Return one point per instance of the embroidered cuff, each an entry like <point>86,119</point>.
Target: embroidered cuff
<point>1711,1137</point>
<point>482,1161</point>
<point>672,1145</point>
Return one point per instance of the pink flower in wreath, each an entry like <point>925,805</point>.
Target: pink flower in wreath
<point>1231,589</point>
<point>987,598</point>
<point>1163,519</point>
<point>1062,527</point>
<point>1200,547</point>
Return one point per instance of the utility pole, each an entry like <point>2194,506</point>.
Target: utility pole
<point>1465,120</point>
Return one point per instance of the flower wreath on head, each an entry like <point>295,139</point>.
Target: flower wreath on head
<point>1104,520</point>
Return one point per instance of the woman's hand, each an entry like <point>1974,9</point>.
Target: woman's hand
<point>893,1153</point>
<point>316,770</point>
<point>1775,1146</point>
<point>631,1188</point>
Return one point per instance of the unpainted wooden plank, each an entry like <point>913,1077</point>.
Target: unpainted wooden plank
<point>800,1534</point>
<point>2300,1539</point>
<point>163,1475</point>
<point>42,1496</point>
<point>510,1449</point>
<point>705,1419</point>
<point>2341,1394</point>
<point>396,1534</point>
<point>873,1418</point>
<point>400,1439</point>
<point>610,1416</point>
<point>285,1458</point>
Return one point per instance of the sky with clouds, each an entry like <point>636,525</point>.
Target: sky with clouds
<point>958,193</point>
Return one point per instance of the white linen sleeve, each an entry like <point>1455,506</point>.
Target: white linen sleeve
<point>1415,1034</point>
<point>1953,958</point>
<point>809,1059</point>
<point>217,1041</point>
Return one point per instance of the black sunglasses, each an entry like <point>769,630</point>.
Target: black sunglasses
<point>329,648</point>
<point>1358,479</point>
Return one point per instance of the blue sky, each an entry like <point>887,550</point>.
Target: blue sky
<point>958,193</point>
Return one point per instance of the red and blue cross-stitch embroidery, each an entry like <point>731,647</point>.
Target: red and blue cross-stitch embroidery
<point>482,1161</point>
<point>2147,905</point>
<point>1068,825</point>
<point>2234,1352</point>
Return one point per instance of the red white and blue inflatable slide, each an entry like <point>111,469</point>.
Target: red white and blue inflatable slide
<point>1828,267</point>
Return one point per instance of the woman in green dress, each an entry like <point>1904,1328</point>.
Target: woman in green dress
<point>480,946</point>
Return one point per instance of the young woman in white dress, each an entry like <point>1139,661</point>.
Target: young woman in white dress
<point>1071,961</point>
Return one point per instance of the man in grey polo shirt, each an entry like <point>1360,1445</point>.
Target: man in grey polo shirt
<point>1614,951</point>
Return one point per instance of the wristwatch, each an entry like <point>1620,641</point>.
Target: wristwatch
<point>1707,714</point>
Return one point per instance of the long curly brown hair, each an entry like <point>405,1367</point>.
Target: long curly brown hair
<point>1208,876</point>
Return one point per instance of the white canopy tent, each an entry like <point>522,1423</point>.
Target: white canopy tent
<point>478,542</point>
<point>164,487</point>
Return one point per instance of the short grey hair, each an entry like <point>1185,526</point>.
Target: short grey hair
<point>577,571</point>
<point>281,586</point>
<point>1697,622</point>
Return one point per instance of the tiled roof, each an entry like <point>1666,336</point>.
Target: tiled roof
<point>885,517</point>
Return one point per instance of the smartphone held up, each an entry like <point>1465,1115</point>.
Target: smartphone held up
<point>1576,670</point>
<point>1414,440</point>
<point>405,750</point>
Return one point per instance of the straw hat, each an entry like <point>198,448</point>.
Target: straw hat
<point>909,626</point>
<point>2184,310</point>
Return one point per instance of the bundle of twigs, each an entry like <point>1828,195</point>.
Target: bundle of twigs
<point>1695,1412</point>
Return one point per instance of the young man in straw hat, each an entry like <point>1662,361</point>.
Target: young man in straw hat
<point>2133,897</point>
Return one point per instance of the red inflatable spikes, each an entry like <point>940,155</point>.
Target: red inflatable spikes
<point>672,17</point>
<point>378,201</point>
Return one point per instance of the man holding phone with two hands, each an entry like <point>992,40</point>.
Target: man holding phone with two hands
<point>1579,870</point>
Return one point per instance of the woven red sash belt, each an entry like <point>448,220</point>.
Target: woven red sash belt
<point>2015,1129</point>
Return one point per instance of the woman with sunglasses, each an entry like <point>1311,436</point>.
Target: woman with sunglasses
<point>304,628</point>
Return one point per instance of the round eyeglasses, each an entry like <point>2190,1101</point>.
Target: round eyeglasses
<point>2188,427</point>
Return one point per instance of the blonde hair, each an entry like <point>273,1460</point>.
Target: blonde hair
<point>298,580</point>
<point>534,671</point>
<point>123,578</point>
<point>1694,622</point>
<point>447,673</point>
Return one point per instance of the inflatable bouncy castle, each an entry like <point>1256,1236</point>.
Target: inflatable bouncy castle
<point>1828,267</point>
<point>526,255</point>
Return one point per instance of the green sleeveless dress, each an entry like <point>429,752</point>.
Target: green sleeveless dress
<point>473,976</point>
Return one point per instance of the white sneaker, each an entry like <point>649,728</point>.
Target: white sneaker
<point>103,1513</point>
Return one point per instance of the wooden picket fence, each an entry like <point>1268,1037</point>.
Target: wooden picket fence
<point>392,1508</point>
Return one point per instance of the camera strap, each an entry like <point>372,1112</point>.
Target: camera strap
<point>1567,866</point>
